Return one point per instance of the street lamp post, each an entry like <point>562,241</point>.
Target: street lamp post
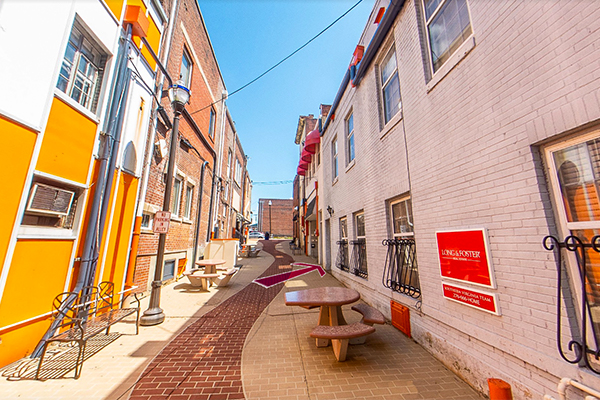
<point>270,226</point>
<point>179,95</point>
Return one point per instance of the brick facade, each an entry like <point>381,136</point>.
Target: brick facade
<point>467,149</point>
<point>277,218</point>
<point>199,142</point>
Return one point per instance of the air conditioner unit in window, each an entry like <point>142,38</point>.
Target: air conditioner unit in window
<point>51,200</point>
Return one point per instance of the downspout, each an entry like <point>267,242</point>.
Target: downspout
<point>129,280</point>
<point>93,236</point>
<point>218,168</point>
<point>199,213</point>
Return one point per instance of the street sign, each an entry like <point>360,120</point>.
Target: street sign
<point>161,222</point>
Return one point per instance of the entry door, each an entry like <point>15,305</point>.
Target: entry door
<point>327,244</point>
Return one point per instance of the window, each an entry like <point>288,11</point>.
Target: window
<point>238,172</point>
<point>401,272</point>
<point>342,261</point>
<point>189,196</point>
<point>350,139</point>
<point>176,199</point>
<point>448,25</point>
<point>169,270</point>
<point>186,69</point>
<point>359,247</point>
<point>211,123</point>
<point>82,69</point>
<point>574,172</point>
<point>390,86</point>
<point>334,156</point>
<point>146,221</point>
<point>401,213</point>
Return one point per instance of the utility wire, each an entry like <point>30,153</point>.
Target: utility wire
<point>283,60</point>
<point>272,183</point>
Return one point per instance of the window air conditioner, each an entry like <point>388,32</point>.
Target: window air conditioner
<point>46,199</point>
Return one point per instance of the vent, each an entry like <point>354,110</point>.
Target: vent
<point>50,200</point>
<point>401,317</point>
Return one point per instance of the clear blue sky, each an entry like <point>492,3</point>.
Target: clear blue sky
<point>251,36</point>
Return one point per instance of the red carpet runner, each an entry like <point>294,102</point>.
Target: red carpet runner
<point>204,361</point>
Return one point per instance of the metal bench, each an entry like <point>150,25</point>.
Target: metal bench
<point>370,315</point>
<point>85,314</point>
<point>340,336</point>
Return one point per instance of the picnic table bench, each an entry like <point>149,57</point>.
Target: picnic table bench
<point>85,314</point>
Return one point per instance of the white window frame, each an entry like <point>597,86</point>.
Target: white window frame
<point>238,172</point>
<point>334,159</point>
<point>189,197</point>
<point>401,235</point>
<point>176,199</point>
<point>187,80</point>
<point>429,20</point>
<point>356,235</point>
<point>84,49</point>
<point>387,83</point>
<point>349,124</point>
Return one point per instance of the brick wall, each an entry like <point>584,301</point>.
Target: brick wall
<point>281,214</point>
<point>206,87</point>
<point>466,150</point>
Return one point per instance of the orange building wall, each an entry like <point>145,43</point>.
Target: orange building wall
<point>21,143</point>
<point>120,233</point>
<point>68,143</point>
<point>38,273</point>
<point>115,6</point>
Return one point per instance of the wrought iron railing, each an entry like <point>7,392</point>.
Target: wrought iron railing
<point>587,257</point>
<point>400,272</point>
<point>359,258</point>
<point>342,261</point>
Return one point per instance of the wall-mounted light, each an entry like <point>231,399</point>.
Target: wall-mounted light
<point>330,210</point>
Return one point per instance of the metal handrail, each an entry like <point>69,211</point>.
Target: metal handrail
<point>359,258</point>
<point>342,257</point>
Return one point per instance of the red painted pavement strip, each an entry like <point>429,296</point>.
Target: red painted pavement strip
<point>273,280</point>
<point>204,361</point>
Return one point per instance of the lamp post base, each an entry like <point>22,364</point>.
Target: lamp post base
<point>152,316</point>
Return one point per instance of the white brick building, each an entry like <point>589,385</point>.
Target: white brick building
<point>485,139</point>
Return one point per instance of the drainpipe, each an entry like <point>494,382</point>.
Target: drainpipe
<point>218,168</point>
<point>199,212</point>
<point>166,47</point>
<point>93,234</point>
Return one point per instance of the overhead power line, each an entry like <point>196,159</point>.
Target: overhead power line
<point>284,59</point>
<point>272,183</point>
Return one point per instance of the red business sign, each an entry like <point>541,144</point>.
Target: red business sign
<point>483,301</point>
<point>464,257</point>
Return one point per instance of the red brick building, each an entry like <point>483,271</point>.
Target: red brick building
<point>276,216</point>
<point>205,137</point>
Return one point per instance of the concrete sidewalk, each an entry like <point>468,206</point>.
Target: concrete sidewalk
<point>278,361</point>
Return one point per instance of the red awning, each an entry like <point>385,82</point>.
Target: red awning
<point>312,140</point>
<point>303,165</point>
<point>301,171</point>
<point>306,156</point>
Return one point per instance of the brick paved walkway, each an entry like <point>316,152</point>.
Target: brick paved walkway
<point>204,361</point>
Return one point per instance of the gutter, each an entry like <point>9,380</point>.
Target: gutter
<point>382,30</point>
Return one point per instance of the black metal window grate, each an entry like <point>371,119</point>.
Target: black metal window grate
<point>342,257</point>
<point>584,346</point>
<point>359,258</point>
<point>400,272</point>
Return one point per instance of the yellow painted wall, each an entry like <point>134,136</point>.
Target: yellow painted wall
<point>68,143</point>
<point>19,143</point>
<point>153,36</point>
<point>116,6</point>
<point>120,234</point>
<point>38,273</point>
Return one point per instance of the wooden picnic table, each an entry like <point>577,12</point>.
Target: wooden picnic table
<point>329,299</point>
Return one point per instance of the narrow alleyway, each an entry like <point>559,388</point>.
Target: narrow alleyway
<point>204,361</point>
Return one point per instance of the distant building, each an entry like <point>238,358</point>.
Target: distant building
<point>275,216</point>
